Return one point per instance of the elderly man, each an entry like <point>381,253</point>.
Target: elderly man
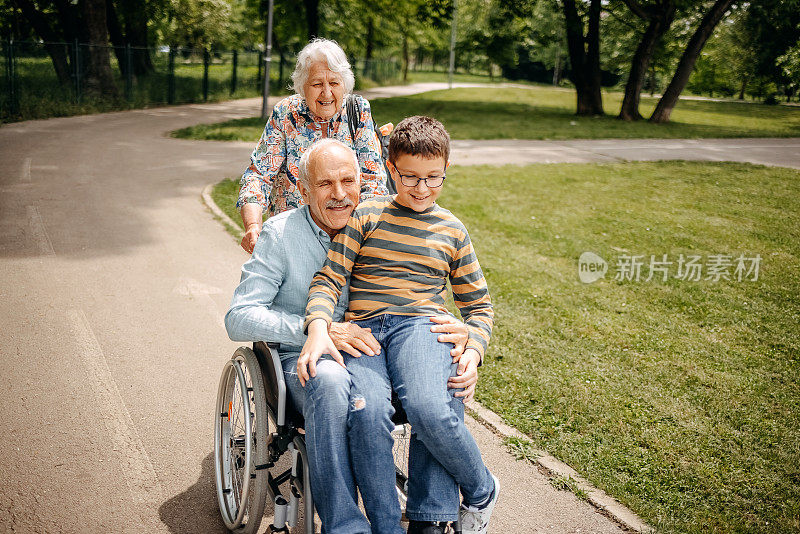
<point>269,305</point>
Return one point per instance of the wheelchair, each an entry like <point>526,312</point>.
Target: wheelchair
<point>255,425</point>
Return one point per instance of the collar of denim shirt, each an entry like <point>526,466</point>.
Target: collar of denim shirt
<point>322,236</point>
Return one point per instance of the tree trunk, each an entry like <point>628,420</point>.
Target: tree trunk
<point>370,43</point>
<point>681,77</point>
<point>99,77</point>
<point>585,71</point>
<point>405,56</point>
<point>71,25</point>
<point>593,58</point>
<point>312,18</point>
<point>743,87</point>
<point>115,34</point>
<point>58,53</point>
<point>657,27</point>
<point>136,34</point>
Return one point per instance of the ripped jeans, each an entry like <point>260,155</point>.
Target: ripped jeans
<point>443,456</point>
<point>324,403</point>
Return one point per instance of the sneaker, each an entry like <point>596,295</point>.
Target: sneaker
<point>475,520</point>
<point>426,527</point>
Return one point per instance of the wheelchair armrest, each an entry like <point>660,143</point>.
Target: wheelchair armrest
<point>274,383</point>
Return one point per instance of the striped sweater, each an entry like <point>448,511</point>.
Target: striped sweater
<point>398,261</point>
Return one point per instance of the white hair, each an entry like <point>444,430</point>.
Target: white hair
<point>322,50</point>
<point>304,167</point>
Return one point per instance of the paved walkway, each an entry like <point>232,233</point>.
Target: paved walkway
<point>114,279</point>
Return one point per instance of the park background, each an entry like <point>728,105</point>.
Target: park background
<point>677,396</point>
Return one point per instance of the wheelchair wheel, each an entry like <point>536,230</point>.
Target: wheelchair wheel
<point>240,443</point>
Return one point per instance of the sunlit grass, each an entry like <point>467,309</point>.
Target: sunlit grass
<point>540,112</point>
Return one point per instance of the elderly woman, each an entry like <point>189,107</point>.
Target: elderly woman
<point>322,79</point>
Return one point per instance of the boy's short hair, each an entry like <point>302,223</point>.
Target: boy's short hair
<point>419,136</point>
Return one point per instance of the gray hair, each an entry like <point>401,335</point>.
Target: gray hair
<point>322,50</point>
<point>304,167</point>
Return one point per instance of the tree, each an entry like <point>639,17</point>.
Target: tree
<point>773,27</point>
<point>681,77</point>
<point>789,64</point>
<point>42,24</point>
<point>584,54</point>
<point>99,78</point>
<point>197,23</point>
<point>659,15</point>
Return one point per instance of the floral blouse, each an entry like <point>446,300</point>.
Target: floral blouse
<point>271,178</point>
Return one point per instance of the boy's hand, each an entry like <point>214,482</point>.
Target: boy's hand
<point>354,340</point>
<point>467,375</point>
<point>455,332</point>
<point>317,344</point>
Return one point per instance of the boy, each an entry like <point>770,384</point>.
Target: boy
<point>397,254</point>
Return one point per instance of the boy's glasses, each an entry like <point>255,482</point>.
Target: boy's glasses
<point>409,180</point>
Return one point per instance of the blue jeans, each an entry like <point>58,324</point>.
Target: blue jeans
<point>444,455</point>
<point>324,403</point>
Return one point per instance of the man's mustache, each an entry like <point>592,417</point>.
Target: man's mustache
<point>339,203</point>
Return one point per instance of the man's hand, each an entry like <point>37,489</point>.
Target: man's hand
<point>317,344</point>
<point>251,237</point>
<point>454,331</point>
<point>467,375</point>
<point>354,340</point>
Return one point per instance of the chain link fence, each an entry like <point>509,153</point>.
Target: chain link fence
<point>42,79</point>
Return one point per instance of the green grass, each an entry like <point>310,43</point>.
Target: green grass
<point>225,195</point>
<point>679,398</point>
<point>425,76</point>
<point>548,113</point>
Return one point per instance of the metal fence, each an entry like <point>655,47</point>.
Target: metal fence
<point>32,87</point>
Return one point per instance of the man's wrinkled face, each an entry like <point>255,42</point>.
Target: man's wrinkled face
<point>324,90</point>
<point>334,188</point>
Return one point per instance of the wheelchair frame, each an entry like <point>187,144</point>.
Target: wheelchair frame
<point>252,396</point>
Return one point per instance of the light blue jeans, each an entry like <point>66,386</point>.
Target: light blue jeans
<point>324,403</point>
<point>443,456</point>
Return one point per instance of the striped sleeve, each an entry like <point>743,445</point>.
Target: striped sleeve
<point>328,283</point>
<point>471,295</point>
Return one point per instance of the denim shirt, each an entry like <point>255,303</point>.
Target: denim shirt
<point>269,303</point>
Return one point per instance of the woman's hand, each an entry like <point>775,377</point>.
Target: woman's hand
<point>467,375</point>
<point>251,237</point>
<point>251,218</point>
<point>354,340</point>
<point>454,331</point>
<point>317,344</point>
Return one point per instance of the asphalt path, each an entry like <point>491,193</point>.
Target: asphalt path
<point>114,281</point>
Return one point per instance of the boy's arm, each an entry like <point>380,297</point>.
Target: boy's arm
<point>471,295</point>
<point>327,284</point>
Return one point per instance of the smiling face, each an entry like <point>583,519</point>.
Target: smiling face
<point>420,197</point>
<point>324,90</point>
<point>333,189</point>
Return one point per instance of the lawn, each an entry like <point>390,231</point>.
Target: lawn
<point>680,398</point>
<point>539,112</point>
